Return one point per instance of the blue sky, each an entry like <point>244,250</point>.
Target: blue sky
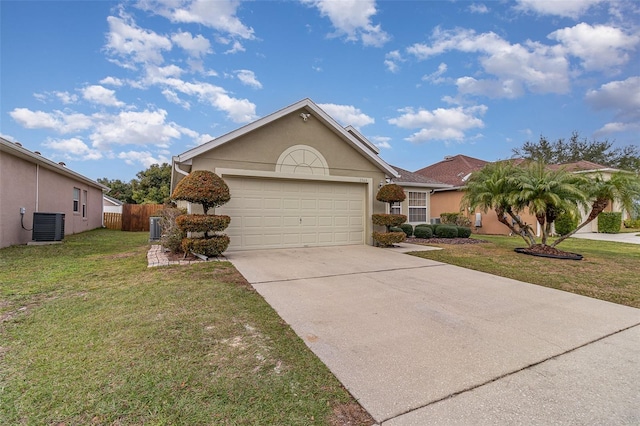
<point>113,87</point>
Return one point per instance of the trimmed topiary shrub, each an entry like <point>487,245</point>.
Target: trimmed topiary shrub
<point>395,229</point>
<point>203,222</point>
<point>212,246</point>
<point>407,229</point>
<point>391,193</point>
<point>388,220</point>
<point>609,222</point>
<point>446,231</point>
<point>208,189</point>
<point>423,232</point>
<point>464,232</point>
<point>565,223</point>
<point>387,239</point>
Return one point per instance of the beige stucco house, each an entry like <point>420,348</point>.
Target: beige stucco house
<point>31,182</point>
<point>297,179</point>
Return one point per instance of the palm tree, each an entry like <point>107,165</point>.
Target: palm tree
<point>494,187</point>
<point>623,187</point>
<point>548,193</point>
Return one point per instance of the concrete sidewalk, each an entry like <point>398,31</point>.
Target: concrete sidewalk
<point>420,342</point>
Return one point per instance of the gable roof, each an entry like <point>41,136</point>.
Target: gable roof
<point>453,170</point>
<point>408,178</point>
<point>365,148</point>
<point>112,200</point>
<point>583,166</point>
<point>16,149</point>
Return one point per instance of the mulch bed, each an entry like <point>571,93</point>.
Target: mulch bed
<point>547,251</point>
<point>414,240</point>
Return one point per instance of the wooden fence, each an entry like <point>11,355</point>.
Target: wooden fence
<point>113,221</point>
<point>134,217</point>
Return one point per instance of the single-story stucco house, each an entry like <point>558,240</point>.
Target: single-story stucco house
<point>298,179</point>
<point>30,183</point>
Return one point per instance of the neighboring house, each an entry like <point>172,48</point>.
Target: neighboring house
<point>297,179</point>
<point>31,182</point>
<point>111,205</point>
<point>455,170</point>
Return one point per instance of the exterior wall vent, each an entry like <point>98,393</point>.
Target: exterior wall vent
<point>48,226</point>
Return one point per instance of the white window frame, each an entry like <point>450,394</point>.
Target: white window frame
<point>84,204</point>
<point>396,207</point>
<point>76,200</point>
<point>413,207</point>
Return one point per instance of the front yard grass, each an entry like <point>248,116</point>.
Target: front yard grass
<point>90,335</point>
<point>609,271</point>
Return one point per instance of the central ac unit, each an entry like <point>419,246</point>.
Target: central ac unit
<point>48,226</point>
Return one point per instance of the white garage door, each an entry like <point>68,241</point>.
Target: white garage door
<point>273,213</point>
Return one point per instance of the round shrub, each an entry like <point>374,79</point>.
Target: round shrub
<point>424,225</point>
<point>565,223</point>
<point>202,222</point>
<point>388,219</point>
<point>407,229</point>
<point>434,227</point>
<point>423,232</point>
<point>213,246</point>
<point>395,229</point>
<point>202,187</point>
<point>464,232</point>
<point>387,239</point>
<point>446,231</point>
<point>391,193</point>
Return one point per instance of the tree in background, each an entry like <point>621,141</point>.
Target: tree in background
<point>151,186</point>
<point>577,149</point>
<point>120,190</point>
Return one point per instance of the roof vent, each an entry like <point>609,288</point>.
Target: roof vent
<point>37,152</point>
<point>62,164</point>
<point>18,143</point>
<point>448,157</point>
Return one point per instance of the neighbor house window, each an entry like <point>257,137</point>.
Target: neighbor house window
<point>417,207</point>
<point>396,207</point>
<point>76,200</point>
<point>84,204</point>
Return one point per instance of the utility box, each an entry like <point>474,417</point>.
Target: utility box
<point>48,226</point>
<point>155,230</point>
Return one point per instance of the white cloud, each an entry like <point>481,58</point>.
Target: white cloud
<point>248,78</point>
<point>112,81</point>
<point>347,115</point>
<point>565,8</point>
<point>623,97</point>
<point>381,142</point>
<point>515,67</point>
<point>73,149</point>
<point>57,121</point>
<point>133,127</point>
<point>352,18</point>
<point>66,97</point>
<point>142,157</point>
<point>134,44</point>
<point>392,60</point>
<point>478,8</point>
<point>173,97</point>
<point>219,15</point>
<point>195,46</point>
<point>101,95</point>
<point>440,124</point>
<point>436,76</point>
<point>600,47</point>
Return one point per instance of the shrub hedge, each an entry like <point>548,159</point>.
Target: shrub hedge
<point>565,223</point>
<point>424,225</point>
<point>423,232</point>
<point>202,222</point>
<point>632,223</point>
<point>446,231</point>
<point>407,229</point>
<point>386,239</point>
<point>609,222</point>
<point>464,232</point>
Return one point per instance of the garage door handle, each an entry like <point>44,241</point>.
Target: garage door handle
<point>300,221</point>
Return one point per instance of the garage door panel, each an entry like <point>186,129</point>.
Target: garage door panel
<point>270,213</point>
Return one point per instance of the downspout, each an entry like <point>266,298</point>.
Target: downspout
<point>183,173</point>
<point>37,187</point>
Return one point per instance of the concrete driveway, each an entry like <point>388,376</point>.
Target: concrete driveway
<point>418,342</point>
<point>623,237</point>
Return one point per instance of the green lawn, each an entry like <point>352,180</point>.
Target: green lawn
<point>609,271</point>
<point>90,335</point>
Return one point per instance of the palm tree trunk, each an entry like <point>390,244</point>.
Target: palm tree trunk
<point>597,207</point>
<point>500,212</point>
